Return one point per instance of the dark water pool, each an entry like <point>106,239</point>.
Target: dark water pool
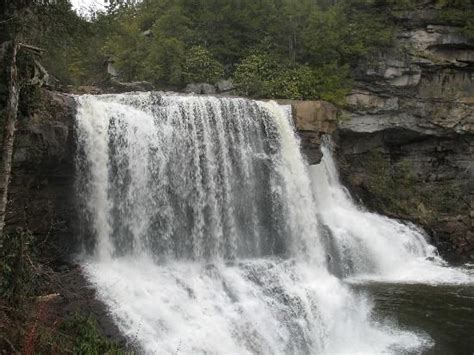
<point>446,313</point>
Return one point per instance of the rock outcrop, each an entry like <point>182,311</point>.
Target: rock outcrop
<point>222,87</point>
<point>41,196</point>
<point>312,120</point>
<point>42,200</point>
<point>406,137</point>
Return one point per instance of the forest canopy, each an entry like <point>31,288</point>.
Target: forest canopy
<point>302,49</point>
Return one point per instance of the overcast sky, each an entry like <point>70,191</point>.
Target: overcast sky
<point>83,6</point>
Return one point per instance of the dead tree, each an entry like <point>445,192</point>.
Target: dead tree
<point>11,113</point>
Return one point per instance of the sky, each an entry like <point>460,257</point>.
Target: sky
<point>83,6</point>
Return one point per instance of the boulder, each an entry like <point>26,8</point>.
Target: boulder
<point>225,86</point>
<point>148,33</point>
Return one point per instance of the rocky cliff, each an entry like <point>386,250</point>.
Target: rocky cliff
<point>41,194</point>
<point>406,137</point>
<point>42,200</point>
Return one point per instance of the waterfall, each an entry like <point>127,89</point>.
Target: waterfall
<point>182,177</point>
<point>206,233</point>
<point>368,246</point>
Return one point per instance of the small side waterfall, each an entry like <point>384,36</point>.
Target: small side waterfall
<point>205,233</point>
<point>368,246</point>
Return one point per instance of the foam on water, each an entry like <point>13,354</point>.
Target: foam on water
<point>263,306</point>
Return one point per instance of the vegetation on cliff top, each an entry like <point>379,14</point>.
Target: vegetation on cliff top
<point>302,49</point>
<point>294,49</point>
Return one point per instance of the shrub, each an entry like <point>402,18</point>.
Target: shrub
<point>259,75</point>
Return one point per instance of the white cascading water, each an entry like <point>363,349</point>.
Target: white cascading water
<point>367,246</point>
<point>202,236</point>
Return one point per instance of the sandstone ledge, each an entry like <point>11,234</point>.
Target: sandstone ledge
<point>312,120</point>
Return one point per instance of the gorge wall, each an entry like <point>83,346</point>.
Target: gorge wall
<point>406,136</point>
<point>405,140</point>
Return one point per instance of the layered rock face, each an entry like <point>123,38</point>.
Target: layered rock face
<point>406,139</point>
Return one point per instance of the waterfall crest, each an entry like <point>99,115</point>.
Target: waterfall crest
<point>205,232</point>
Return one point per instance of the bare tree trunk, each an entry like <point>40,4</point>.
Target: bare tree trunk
<point>9,133</point>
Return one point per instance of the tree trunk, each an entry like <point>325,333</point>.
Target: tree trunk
<point>9,133</point>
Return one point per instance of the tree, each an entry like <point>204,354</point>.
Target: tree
<point>14,21</point>
<point>200,66</point>
<point>255,74</point>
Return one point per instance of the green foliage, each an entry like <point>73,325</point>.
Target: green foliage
<point>200,66</point>
<point>27,318</point>
<point>255,74</point>
<point>460,4</point>
<point>343,35</point>
<point>172,43</point>
<point>329,82</point>
<point>17,273</point>
<point>259,75</point>
<point>86,337</point>
<point>309,45</point>
<point>462,16</point>
<point>76,334</point>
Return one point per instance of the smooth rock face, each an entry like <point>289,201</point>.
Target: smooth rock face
<point>406,138</point>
